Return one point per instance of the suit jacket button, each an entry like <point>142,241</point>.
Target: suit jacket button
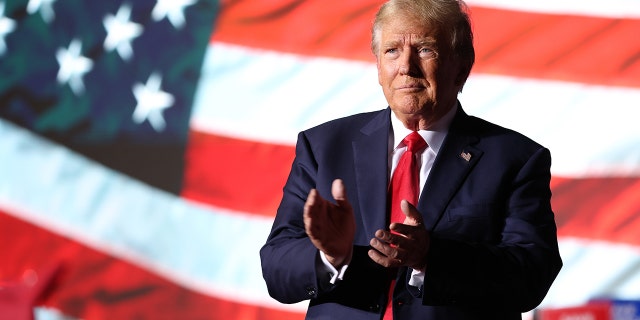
<point>374,307</point>
<point>311,291</point>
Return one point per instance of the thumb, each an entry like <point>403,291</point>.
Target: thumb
<point>339,193</point>
<point>338,190</point>
<point>413,216</point>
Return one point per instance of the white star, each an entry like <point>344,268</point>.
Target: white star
<point>151,102</point>
<point>6,26</point>
<point>120,32</point>
<point>73,66</point>
<point>172,9</point>
<point>44,6</point>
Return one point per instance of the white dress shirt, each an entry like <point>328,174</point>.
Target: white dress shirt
<point>434,137</point>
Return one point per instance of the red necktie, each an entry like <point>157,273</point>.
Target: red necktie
<point>405,184</point>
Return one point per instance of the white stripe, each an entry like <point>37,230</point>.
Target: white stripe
<point>591,130</point>
<point>44,313</point>
<point>212,251</point>
<point>595,269</point>
<point>268,96</point>
<point>599,8</point>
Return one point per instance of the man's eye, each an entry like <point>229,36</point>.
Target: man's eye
<point>427,52</point>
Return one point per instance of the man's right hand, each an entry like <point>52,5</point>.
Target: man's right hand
<point>331,227</point>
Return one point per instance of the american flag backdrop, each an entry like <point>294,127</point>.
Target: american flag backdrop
<point>144,144</point>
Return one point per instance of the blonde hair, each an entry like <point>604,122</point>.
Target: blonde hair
<point>449,18</point>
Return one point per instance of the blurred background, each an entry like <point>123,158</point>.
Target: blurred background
<point>144,144</point>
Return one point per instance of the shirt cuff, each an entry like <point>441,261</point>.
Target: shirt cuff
<point>417,278</point>
<point>334,273</point>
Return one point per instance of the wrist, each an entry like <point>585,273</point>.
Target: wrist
<point>339,261</point>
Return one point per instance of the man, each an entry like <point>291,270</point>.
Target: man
<point>480,240</point>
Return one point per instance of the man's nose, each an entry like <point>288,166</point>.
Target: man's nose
<point>407,62</point>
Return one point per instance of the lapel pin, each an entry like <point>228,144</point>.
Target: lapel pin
<point>465,155</point>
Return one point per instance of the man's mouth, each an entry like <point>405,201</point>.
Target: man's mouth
<point>415,86</point>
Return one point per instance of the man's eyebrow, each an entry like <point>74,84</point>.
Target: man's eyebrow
<point>391,43</point>
<point>422,42</point>
<point>425,42</point>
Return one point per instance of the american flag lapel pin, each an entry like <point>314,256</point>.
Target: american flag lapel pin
<point>466,156</point>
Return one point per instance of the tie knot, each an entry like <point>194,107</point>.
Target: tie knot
<point>414,142</point>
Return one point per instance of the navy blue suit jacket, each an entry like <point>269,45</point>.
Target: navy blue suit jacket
<point>486,203</point>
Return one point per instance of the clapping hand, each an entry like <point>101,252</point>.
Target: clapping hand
<point>331,227</point>
<point>406,244</point>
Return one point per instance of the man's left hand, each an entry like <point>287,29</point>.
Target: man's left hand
<point>406,244</point>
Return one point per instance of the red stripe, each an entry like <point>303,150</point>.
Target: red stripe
<point>333,28</point>
<point>595,50</point>
<point>238,174</point>
<point>248,176</point>
<point>572,48</point>
<point>598,208</point>
<point>94,285</point>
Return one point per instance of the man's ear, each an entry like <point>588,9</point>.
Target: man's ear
<point>463,74</point>
<point>378,68</point>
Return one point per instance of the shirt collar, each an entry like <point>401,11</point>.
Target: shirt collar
<point>434,136</point>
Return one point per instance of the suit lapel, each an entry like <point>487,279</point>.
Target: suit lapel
<point>455,160</point>
<point>370,156</point>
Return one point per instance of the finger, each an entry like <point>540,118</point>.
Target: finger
<point>311,198</point>
<point>389,250</point>
<point>312,207</point>
<point>413,216</point>
<point>311,202</point>
<point>405,231</point>
<point>338,190</point>
<point>339,193</point>
<point>383,260</point>
<point>389,237</point>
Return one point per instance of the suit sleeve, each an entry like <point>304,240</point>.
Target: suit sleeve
<point>514,271</point>
<point>288,257</point>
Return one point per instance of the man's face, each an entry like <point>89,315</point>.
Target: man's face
<point>416,71</point>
